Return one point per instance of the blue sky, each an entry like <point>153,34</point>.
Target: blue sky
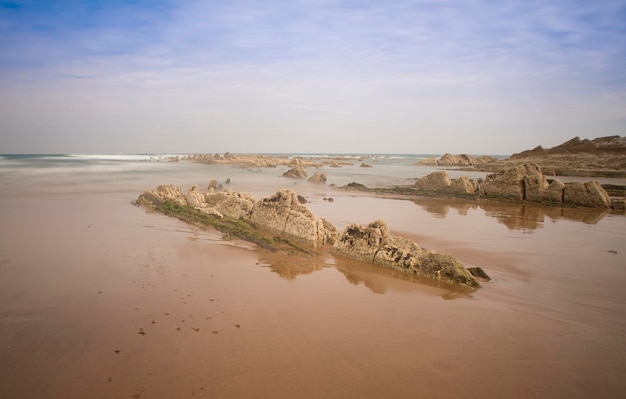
<point>479,77</point>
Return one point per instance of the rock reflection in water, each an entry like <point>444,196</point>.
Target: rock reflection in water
<point>377,279</point>
<point>381,280</point>
<point>290,266</point>
<point>513,216</point>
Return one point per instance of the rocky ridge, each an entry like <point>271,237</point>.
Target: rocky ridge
<point>374,244</point>
<point>457,160</point>
<point>263,161</point>
<point>521,183</point>
<point>282,222</point>
<point>600,157</point>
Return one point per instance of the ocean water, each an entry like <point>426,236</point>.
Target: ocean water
<point>99,298</point>
<point>126,171</point>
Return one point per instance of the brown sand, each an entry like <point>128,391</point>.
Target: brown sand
<point>99,299</point>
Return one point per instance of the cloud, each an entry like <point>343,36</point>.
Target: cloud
<point>444,70</point>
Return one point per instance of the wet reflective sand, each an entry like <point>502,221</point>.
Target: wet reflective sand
<point>100,299</point>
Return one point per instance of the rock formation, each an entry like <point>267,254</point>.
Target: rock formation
<point>527,183</point>
<point>318,177</point>
<point>440,181</point>
<point>281,213</point>
<point>297,172</point>
<point>284,215</point>
<point>589,194</point>
<point>374,244</point>
<point>457,160</point>
<point>508,184</point>
<point>604,156</point>
<point>463,185</point>
<point>435,181</point>
<point>520,183</point>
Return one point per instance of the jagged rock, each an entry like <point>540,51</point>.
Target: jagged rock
<point>334,165</point>
<point>586,194</point>
<point>374,244</point>
<point>527,182</point>
<point>301,199</point>
<point>230,203</point>
<point>479,272</point>
<point>284,214</point>
<point>435,181</point>
<point>297,172</point>
<point>318,177</point>
<point>535,183</point>
<point>457,160</point>
<point>366,165</point>
<point>463,185</point>
<point>603,156</point>
<point>331,234</point>
<point>195,198</point>
<point>161,194</point>
<point>553,194</point>
<point>506,184</point>
<point>213,184</point>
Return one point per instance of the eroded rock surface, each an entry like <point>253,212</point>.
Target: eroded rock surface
<point>373,243</point>
<point>283,214</point>
<point>435,181</point>
<point>318,177</point>
<point>457,160</point>
<point>297,172</point>
<point>603,156</point>
<point>520,183</point>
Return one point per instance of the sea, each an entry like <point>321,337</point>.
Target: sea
<point>100,298</point>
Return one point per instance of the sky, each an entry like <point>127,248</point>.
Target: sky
<point>309,76</point>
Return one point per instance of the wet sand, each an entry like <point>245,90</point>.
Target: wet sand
<point>100,299</point>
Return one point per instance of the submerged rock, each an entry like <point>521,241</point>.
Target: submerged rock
<point>374,244</point>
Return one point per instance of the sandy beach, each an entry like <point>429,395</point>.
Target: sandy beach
<point>101,299</point>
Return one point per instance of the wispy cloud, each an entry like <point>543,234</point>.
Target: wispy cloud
<point>374,61</point>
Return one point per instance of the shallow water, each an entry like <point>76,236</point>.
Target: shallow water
<point>83,274</point>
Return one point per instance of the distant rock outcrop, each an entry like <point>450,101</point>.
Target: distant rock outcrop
<point>318,177</point>
<point>602,157</point>
<point>527,183</point>
<point>457,160</point>
<point>519,183</point>
<point>601,145</point>
<point>374,244</point>
<point>297,172</point>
